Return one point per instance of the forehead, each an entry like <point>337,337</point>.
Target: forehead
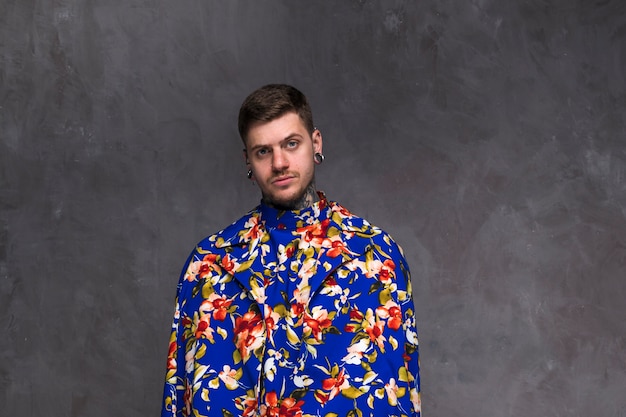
<point>266,133</point>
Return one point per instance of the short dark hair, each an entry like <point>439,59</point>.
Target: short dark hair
<point>271,102</point>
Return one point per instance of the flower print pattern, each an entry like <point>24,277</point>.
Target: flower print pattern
<point>247,334</point>
<point>285,407</point>
<point>217,305</point>
<point>294,314</point>
<point>317,322</point>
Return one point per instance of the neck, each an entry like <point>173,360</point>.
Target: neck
<point>304,201</point>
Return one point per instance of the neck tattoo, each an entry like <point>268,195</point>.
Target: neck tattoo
<point>305,200</point>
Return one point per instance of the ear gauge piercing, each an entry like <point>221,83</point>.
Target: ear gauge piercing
<point>318,158</point>
<point>249,174</point>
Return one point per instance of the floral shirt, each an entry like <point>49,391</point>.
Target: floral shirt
<point>298,313</point>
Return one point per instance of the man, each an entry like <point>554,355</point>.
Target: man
<point>299,308</point>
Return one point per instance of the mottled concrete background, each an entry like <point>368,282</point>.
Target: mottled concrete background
<point>489,137</point>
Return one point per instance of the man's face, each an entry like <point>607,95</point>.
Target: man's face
<point>280,155</point>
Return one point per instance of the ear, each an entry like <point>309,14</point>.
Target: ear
<point>249,169</point>
<point>316,137</point>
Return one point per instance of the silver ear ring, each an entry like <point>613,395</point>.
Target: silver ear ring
<point>318,158</point>
<point>249,174</point>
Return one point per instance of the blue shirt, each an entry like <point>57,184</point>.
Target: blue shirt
<point>294,313</point>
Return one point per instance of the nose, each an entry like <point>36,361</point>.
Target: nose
<point>279,161</point>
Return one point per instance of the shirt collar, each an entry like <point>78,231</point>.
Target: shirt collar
<point>292,219</point>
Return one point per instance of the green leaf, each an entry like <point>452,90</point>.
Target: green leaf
<point>333,330</point>
<point>236,356</point>
<point>207,289</point>
<point>384,296</point>
<point>374,287</point>
<point>355,413</point>
<point>245,265</point>
<point>403,375</point>
<point>200,352</point>
<point>351,392</point>
<point>299,393</point>
<point>280,309</point>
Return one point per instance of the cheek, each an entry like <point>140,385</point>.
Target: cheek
<point>261,166</point>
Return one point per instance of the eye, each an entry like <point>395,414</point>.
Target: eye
<point>262,152</point>
<point>292,144</point>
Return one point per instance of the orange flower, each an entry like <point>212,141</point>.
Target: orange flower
<point>271,322</point>
<point>337,247</point>
<point>229,377</point>
<point>341,210</point>
<point>383,270</point>
<point>335,385</point>
<point>203,327</point>
<point>314,233</point>
<point>216,304</point>
<point>207,265</point>
<point>286,407</point>
<point>297,309</point>
<point>247,332</point>
<point>387,271</point>
<point>355,314</point>
<point>248,405</point>
<point>252,230</point>
<point>187,398</point>
<point>202,268</point>
<point>228,264</point>
<point>392,312</point>
<point>317,322</point>
<point>300,299</point>
<point>374,328</point>
<point>171,355</point>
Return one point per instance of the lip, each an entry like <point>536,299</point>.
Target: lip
<point>282,181</point>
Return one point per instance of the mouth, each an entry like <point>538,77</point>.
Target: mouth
<point>282,181</point>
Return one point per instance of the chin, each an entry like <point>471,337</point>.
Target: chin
<point>284,202</point>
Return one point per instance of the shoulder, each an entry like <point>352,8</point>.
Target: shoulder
<point>361,229</point>
<point>233,234</point>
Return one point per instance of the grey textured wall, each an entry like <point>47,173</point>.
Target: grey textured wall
<point>489,137</point>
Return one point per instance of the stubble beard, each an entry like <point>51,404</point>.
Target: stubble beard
<point>305,200</point>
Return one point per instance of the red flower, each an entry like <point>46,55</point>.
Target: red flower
<point>248,405</point>
<point>253,232</point>
<point>286,407</point>
<point>247,332</point>
<point>375,331</point>
<point>386,272</point>
<point>317,322</point>
<point>218,305</point>
<point>187,399</point>
<point>330,281</point>
<point>297,309</point>
<point>350,328</point>
<point>315,233</point>
<point>203,328</point>
<point>342,210</point>
<point>207,265</point>
<point>228,264</point>
<point>337,248</point>
<point>392,312</point>
<point>271,320</point>
<point>335,385</point>
<point>355,314</point>
<point>171,355</point>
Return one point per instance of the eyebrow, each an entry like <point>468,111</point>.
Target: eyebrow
<point>286,139</point>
